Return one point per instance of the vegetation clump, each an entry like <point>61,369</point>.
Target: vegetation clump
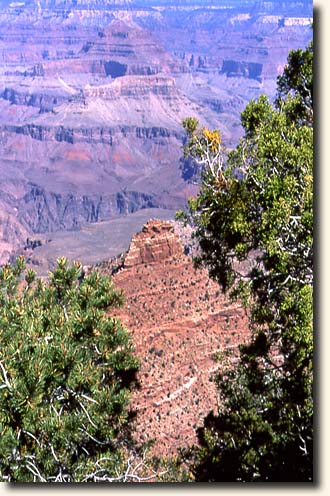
<point>253,219</point>
<point>66,371</point>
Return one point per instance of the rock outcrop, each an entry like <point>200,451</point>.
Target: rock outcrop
<point>180,322</point>
<point>156,243</point>
<point>250,70</point>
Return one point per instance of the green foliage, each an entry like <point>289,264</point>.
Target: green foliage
<point>253,219</point>
<point>66,371</point>
<point>296,82</point>
<point>190,124</point>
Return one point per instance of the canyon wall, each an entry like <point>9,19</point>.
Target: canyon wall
<point>93,94</point>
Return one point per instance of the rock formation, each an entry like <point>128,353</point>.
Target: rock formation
<point>156,243</point>
<point>180,322</point>
<point>93,93</point>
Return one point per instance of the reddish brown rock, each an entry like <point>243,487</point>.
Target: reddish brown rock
<point>180,321</point>
<point>155,243</point>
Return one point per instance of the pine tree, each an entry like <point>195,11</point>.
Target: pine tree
<point>66,372</point>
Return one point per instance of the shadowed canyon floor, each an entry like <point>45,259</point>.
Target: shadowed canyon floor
<point>92,243</point>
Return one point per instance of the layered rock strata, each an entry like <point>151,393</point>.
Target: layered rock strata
<point>180,322</point>
<point>93,94</point>
<point>156,243</point>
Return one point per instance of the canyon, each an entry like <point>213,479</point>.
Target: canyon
<point>93,93</point>
<point>92,98</point>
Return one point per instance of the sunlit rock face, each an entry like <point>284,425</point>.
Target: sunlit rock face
<point>155,243</point>
<point>93,94</point>
<point>179,320</point>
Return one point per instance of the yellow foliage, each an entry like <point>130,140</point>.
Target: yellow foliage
<point>213,139</point>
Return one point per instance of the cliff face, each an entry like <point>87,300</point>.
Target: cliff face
<point>105,150</point>
<point>249,70</point>
<point>135,87</point>
<point>179,320</point>
<point>40,100</point>
<point>156,243</point>
<point>98,112</point>
<point>93,94</point>
<point>89,134</point>
<point>46,212</point>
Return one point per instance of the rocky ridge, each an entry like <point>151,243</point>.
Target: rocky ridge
<point>156,243</point>
<point>180,321</point>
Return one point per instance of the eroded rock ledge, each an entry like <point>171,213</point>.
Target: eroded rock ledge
<point>155,243</point>
<point>180,321</point>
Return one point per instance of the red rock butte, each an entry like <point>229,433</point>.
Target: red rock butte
<point>155,243</point>
<point>180,321</point>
